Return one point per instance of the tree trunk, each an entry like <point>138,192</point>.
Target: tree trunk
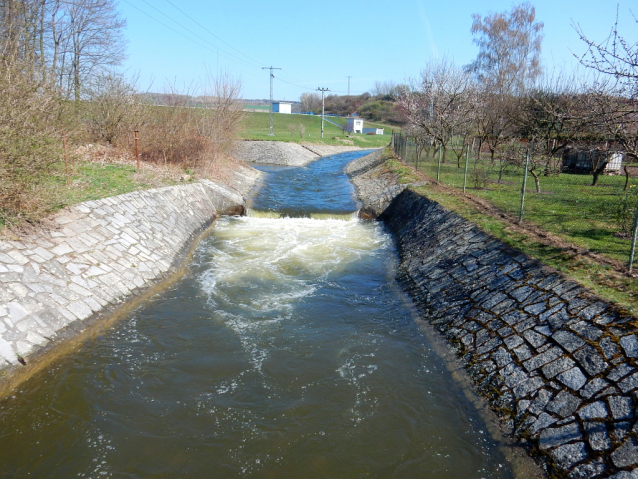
<point>536,180</point>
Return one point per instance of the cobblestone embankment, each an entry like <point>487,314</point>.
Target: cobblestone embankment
<point>559,364</point>
<point>285,154</point>
<point>53,283</point>
<point>376,187</point>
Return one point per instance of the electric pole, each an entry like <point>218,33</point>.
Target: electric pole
<point>323,107</point>
<point>271,78</point>
<point>348,84</point>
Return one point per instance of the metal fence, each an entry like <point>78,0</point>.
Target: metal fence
<point>593,208</point>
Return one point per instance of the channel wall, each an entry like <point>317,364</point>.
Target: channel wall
<point>55,283</point>
<point>558,364</point>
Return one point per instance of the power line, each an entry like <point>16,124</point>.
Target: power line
<point>270,121</point>
<point>231,57</point>
<point>207,30</point>
<point>323,107</point>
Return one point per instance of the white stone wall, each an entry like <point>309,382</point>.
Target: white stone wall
<point>99,253</point>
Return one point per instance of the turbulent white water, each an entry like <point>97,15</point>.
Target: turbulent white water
<point>287,351</point>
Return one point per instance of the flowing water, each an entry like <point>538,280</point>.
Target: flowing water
<point>287,351</point>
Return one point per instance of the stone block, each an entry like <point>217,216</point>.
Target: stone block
<point>564,404</point>
<point>523,352</point>
<point>630,345</point>
<point>587,330</point>
<point>627,454</point>
<point>542,359</point>
<point>629,384</point>
<point>557,436</point>
<point>534,338</point>
<point>620,372</point>
<point>527,387</point>
<point>556,367</point>
<point>595,385</point>
<point>569,341</point>
<point>593,411</point>
<point>621,407</point>
<point>572,378</point>
<point>610,349</point>
<point>540,401</point>
<point>543,422</point>
<point>590,360</point>
<point>569,455</point>
<point>597,436</point>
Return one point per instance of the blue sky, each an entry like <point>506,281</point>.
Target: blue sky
<point>321,44</point>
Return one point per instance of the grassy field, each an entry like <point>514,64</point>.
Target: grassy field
<point>603,279</point>
<point>593,217</point>
<point>256,127</point>
<point>94,180</point>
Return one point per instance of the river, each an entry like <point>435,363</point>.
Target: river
<point>286,351</point>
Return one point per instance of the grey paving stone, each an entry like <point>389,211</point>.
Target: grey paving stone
<point>534,338</point>
<point>564,404</point>
<point>542,359</point>
<point>627,454</point>
<point>540,401</point>
<point>513,342</point>
<point>597,436</point>
<point>630,345</point>
<point>559,319</point>
<point>557,436</point>
<point>610,349</point>
<point>587,330</point>
<point>527,387</point>
<point>535,309</point>
<point>620,430</point>
<point>589,470</point>
<point>596,410</point>
<point>543,421</point>
<point>593,386</point>
<point>569,455</point>
<point>593,310</point>
<point>621,407</point>
<point>556,367</point>
<point>572,378</point>
<point>569,341</point>
<point>629,383</point>
<point>592,362</point>
<point>620,372</point>
<point>523,352</point>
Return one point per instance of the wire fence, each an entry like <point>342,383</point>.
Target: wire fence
<point>590,203</point>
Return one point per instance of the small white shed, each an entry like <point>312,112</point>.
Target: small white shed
<point>282,107</point>
<point>354,125</point>
<point>372,131</point>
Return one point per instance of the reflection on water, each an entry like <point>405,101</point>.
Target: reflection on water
<point>287,351</point>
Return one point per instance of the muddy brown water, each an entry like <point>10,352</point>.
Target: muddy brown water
<point>287,351</point>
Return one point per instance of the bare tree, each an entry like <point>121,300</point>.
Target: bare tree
<point>509,49</point>
<point>310,101</point>
<point>440,103</point>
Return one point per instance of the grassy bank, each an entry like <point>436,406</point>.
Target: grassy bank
<point>255,126</point>
<point>605,280</point>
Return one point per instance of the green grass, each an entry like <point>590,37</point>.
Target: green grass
<point>568,206</point>
<point>256,127</point>
<point>602,279</point>
<point>92,181</point>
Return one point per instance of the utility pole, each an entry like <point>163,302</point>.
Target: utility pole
<point>271,78</point>
<point>323,107</point>
<point>349,85</point>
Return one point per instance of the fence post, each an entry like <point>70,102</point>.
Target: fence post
<point>467,161</point>
<point>520,215</point>
<point>438,171</point>
<point>137,152</point>
<point>66,158</point>
<point>634,236</point>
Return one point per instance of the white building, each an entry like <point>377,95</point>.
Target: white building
<point>372,131</point>
<point>282,107</point>
<point>354,125</point>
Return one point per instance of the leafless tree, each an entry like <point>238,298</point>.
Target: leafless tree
<point>440,102</point>
<point>310,101</point>
<point>509,49</point>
